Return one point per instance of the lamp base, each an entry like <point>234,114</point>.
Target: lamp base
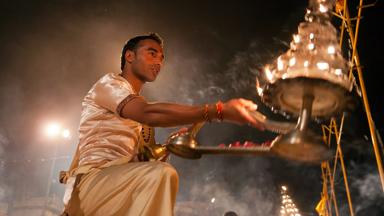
<point>302,146</point>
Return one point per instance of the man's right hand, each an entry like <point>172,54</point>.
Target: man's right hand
<point>236,111</point>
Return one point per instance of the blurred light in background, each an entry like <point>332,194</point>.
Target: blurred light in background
<point>54,130</point>
<point>66,133</point>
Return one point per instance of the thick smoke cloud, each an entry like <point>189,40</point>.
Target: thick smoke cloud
<point>55,50</point>
<point>5,189</point>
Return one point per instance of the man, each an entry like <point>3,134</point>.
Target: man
<point>106,173</point>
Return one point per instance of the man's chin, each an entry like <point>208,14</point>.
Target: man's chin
<point>152,79</point>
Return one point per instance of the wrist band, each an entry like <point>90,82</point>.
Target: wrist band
<point>219,111</point>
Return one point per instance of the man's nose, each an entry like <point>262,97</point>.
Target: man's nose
<point>159,61</point>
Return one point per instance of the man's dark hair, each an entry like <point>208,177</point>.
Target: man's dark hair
<point>132,44</point>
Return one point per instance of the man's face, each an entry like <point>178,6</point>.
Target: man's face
<point>147,61</point>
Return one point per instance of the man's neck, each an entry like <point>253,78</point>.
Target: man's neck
<point>136,83</point>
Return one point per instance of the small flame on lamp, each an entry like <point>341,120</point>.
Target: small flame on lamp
<point>280,64</point>
<point>331,50</point>
<point>322,65</point>
<point>296,38</point>
<point>268,73</point>
<point>311,46</point>
<point>292,61</point>
<point>322,8</point>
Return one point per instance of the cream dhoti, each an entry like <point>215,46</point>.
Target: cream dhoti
<point>132,189</point>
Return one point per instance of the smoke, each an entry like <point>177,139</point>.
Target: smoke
<point>4,188</point>
<point>222,184</point>
<point>369,186</point>
<point>370,194</point>
<point>369,189</point>
<point>244,67</point>
<point>364,181</point>
<point>251,201</point>
<point>55,57</point>
<point>3,142</point>
<point>219,198</point>
<point>217,185</point>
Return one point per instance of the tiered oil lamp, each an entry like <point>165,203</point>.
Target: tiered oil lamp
<point>308,81</point>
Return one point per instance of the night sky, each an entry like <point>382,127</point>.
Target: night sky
<point>53,51</point>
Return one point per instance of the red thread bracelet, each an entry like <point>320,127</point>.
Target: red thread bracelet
<point>219,110</point>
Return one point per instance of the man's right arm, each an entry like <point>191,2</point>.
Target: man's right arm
<point>170,114</point>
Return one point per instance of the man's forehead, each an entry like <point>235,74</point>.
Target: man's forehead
<point>149,43</point>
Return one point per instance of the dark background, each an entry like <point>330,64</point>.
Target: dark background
<point>53,51</point>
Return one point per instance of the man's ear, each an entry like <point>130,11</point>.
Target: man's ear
<point>129,56</point>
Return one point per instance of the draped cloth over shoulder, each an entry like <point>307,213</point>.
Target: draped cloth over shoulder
<point>104,135</point>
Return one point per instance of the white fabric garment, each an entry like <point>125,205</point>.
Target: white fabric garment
<point>104,135</point>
